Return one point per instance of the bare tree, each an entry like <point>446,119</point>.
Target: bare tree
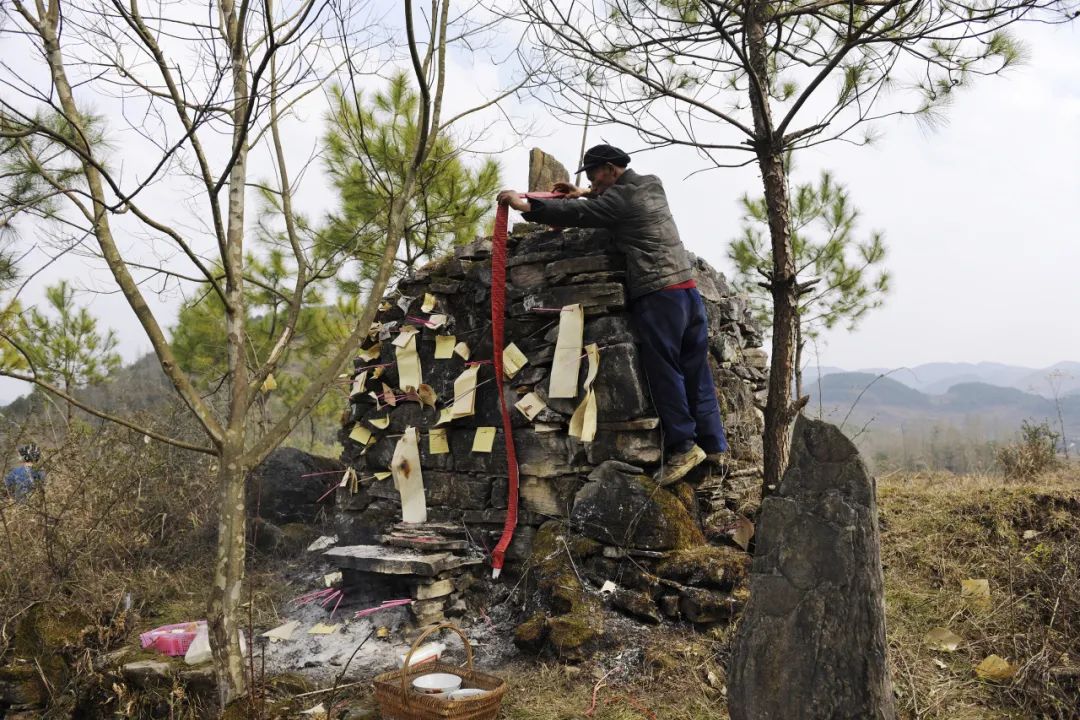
<point>747,81</point>
<point>207,93</point>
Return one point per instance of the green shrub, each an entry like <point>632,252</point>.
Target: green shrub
<point>1035,453</point>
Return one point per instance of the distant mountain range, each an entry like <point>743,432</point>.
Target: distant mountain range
<point>981,410</point>
<point>1061,379</point>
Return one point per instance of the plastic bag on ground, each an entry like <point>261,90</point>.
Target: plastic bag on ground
<point>199,652</point>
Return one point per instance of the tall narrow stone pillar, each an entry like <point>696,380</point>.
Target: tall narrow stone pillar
<point>811,643</point>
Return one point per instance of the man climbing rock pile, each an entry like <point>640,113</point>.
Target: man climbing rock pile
<point>668,314</point>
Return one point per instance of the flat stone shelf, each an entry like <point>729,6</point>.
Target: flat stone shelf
<point>396,561</point>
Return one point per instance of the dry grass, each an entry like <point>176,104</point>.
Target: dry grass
<point>123,517</point>
<point>938,530</point>
<point>675,677</point>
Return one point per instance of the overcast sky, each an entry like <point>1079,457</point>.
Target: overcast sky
<point>977,214</point>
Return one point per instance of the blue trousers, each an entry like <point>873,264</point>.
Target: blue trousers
<point>673,339</point>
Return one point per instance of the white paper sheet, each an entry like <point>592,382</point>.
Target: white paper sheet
<point>567,360</point>
<point>408,477</point>
<point>408,365</point>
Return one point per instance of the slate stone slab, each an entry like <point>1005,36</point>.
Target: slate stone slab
<point>603,297</point>
<point>395,561</point>
<point>815,621</point>
<point>637,447</point>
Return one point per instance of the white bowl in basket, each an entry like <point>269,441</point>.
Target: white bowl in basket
<point>436,683</point>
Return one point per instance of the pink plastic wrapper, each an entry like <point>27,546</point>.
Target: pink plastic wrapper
<point>172,639</point>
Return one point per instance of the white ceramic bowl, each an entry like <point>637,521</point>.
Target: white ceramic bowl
<point>466,693</point>
<point>436,683</point>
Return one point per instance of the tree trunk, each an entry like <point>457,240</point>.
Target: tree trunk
<point>228,576</point>
<point>800,345</point>
<point>229,571</point>
<point>769,149</point>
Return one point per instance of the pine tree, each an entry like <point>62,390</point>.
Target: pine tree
<point>839,276</point>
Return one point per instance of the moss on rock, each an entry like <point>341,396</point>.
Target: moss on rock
<point>578,622</point>
<point>722,568</point>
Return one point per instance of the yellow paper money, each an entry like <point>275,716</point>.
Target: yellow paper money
<point>583,421</point>
<point>358,384</point>
<point>429,303</point>
<point>408,364</point>
<point>483,440</point>
<point>371,353</point>
<point>513,360</point>
<point>530,405</point>
<point>360,434</point>
<point>465,392</point>
<point>437,444</point>
<point>405,336</point>
<point>462,350</point>
<point>444,346</point>
<point>382,423</point>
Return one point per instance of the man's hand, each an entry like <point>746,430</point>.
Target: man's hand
<point>514,200</point>
<point>569,190</point>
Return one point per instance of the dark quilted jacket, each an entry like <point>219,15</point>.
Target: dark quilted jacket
<point>635,210</point>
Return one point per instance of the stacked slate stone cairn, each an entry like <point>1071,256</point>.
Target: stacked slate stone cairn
<point>592,500</point>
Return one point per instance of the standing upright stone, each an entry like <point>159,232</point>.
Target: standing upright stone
<point>811,643</point>
<point>545,171</point>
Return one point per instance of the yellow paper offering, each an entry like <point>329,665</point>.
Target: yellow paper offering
<point>445,416</point>
<point>567,360</point>
<point>462,350</point>
<point>408,364</point>
<point>436,321</point>
<point>530,405</point>
<point>465,392</point>
<point>360,434</point>
<point>437,444</point>
<point>408,478</point>
<point>483,440</point>
<point>358,384</point>
<point>429,303</point>
<point>369,354</point>
<point>382,423</point>
<point>444,346</point>
<point>405,336</point>
<point>382,475</point>
<point>583,422</point>
<point>513,360</point>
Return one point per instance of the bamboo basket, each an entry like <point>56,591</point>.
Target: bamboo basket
<point>398,701</point>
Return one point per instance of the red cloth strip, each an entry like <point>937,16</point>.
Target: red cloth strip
<point>498,315</point>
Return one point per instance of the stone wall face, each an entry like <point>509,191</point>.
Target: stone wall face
<point>546,269</point>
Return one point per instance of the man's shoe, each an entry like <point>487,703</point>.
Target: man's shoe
<point>677,466</point>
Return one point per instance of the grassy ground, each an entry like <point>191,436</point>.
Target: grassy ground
<point>112,529</point>
<point>937,530</point>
